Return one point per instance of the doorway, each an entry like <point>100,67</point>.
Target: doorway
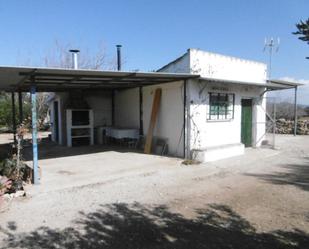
<point>246,122</point>
<point>56,121</point>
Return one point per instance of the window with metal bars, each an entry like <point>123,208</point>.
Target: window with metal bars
<point>221,106</point>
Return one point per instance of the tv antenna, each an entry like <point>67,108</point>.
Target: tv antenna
<point>272,46</point>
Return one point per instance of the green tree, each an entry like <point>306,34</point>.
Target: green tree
<point>6,110</point>
<point>303,31</point>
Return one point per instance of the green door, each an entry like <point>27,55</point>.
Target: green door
<point>246,122</point>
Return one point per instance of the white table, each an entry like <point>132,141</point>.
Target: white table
<point>116,133</point>
<point>119,133</point>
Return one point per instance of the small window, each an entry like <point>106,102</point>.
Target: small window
<point>221,106</point>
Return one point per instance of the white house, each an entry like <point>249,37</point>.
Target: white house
<point>226,105</point>
<point>212,106</point>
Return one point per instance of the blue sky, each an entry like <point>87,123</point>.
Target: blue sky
<point>155,32</point>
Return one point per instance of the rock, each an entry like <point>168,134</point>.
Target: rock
<point>287,126</point>
<point>20,193</point>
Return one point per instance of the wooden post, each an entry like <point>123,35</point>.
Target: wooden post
<point>153,119</point>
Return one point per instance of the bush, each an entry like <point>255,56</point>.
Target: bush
<point>6,110</point>
<point>17,172</point>
<point>5,185</point>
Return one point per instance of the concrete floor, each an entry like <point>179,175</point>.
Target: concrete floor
<point>99,165</point>
<point>117,199</point>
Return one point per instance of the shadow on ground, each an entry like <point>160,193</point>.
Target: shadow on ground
<point>49,150</point>
<point>137,226</point>
<point>294,174</point>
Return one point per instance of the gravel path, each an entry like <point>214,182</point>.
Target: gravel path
<point>259,200</point>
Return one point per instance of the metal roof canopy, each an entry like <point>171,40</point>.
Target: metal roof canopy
<point>271,85</point>
<point>56,79</point>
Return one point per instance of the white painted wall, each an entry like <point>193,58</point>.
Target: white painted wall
<point>211,133</point>
<point>259,119</point>
<point>170,118</point>
<point>225,67</point>
<point>202,133</point>
<point>100,103</point>
<point>180,65</point>
<point>52,118</point>
<point>127,108</point>
<point>62,100</point>
<point>205,134</point>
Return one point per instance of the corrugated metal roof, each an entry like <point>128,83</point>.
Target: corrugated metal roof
<point>55,79</point>
<point>270,84</point>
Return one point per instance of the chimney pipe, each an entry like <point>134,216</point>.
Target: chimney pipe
<point>74,58</point>
<point>119,57</point>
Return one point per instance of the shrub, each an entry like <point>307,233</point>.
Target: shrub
<point>5,185</point>
<point>16,172</point>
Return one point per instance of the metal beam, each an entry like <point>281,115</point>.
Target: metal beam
<point>100,81</point>
<point>295,111</point>
<point>72,75</point>
<point>36,178</point>
<point>28,76</point>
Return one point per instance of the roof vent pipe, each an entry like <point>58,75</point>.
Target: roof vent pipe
<point>74,58</point>
<point>118,57</point>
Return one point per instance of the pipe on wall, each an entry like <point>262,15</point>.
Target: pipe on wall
<point>118,57</point>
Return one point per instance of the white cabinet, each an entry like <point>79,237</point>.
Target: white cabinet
<point>79,127</point>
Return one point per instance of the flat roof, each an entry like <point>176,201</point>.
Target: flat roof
<point>60,79</point>
<point>271,85</point>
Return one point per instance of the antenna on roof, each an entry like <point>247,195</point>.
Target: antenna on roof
<point>272,46</point>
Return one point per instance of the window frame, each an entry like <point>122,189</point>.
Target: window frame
<point>229,108</point>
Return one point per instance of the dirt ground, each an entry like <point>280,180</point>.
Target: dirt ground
<point>117,199</point>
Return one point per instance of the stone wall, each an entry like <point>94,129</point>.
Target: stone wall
<point>287,127</point>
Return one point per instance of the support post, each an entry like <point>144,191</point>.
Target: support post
<point>141,128</point>
<point>274,126</point>
<point>20,107</point>
<point>14,117</point>
<point>295,111</point>
<point>34,136</point>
